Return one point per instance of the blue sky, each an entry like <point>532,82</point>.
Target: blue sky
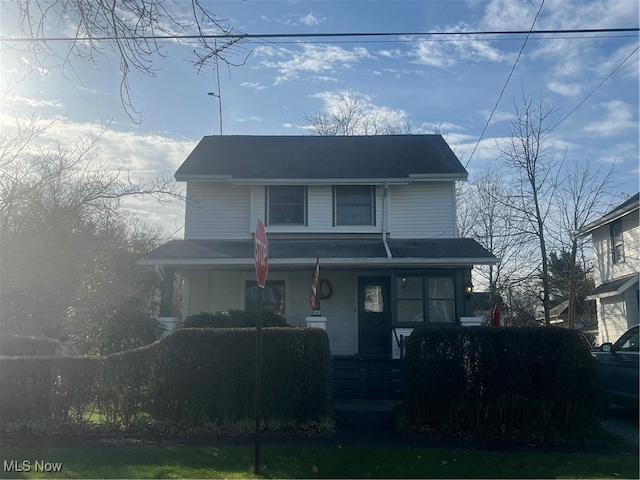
<point>453,83</point>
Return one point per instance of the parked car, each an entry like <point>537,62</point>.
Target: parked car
<point>617,367</point>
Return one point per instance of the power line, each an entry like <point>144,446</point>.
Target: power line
<point>582,102</point>
<point>505,85</point>
<point>241,36</point>
<point>594,90</point>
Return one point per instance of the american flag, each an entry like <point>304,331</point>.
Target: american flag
<point>314,285</point>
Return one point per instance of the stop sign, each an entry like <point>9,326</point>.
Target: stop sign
<point>261,254</point>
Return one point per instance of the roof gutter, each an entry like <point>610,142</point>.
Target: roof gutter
<point>385,227</point>
<point>334,262</point>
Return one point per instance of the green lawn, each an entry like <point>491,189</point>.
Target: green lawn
<point>311,462</point>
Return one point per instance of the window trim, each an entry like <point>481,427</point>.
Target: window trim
<point>305,206</point>
<point>372,189</point>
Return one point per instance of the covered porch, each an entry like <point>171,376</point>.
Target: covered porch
<point>372,291</point>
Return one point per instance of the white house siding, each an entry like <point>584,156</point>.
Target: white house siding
<point>612,313</point>
<point>422,210</point>
<point>217,211</point>
<point>605,269</point>
<point>319,213</point>
<point>219,290</point>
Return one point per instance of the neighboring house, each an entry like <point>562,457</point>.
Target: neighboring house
<point>616,252</point>
<point>378,211</point>
<point>586,320</point>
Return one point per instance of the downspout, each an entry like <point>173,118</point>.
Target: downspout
<point>385,208</point>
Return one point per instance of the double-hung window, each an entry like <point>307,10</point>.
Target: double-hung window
<point>354,205</point>
<point>617,245</point>
<point>286,205</point>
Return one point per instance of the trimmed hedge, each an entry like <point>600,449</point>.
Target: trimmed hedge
<point>191,377</point>
<point>496,381</point>
<point>25,345</point>
<point>233,319</point>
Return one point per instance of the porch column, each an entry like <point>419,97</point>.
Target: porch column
<point>166,317</point>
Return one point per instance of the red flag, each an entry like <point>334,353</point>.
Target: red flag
<point>495,317</point>
<point>314,285</point>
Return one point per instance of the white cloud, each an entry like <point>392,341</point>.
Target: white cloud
<point>508,15</point>
<point>254,85</point>
<point>372,117</point>
<point>564,88</point>
<point>395,53</point>
<point>444,54</point>
<point>316,59</point>
<point>617,120</point>
<point>498,116</point>
<point>140,156</point>
<point>433,54</point>
<point>311,20</point>
<point>252,118</point>
<point>17,101</point>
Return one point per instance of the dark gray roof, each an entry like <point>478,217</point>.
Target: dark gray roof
<point>611,287</point>
<point>321,157</point>
<point>283,249</point>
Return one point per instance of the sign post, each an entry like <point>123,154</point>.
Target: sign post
<point>261,259</point>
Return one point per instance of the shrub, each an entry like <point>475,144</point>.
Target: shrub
<point>192,377</point>
<point>24,345</point>
<point>233,319</point>
<point>212,375</point>
<point>52,389</point>
<point>492,381</point>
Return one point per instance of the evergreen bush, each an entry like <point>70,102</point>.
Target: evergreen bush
<point>497,381</point>
<point>192,377</point>
<point>233,319</point>
<point>25,345</point>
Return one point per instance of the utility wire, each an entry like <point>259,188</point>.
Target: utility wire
<point>579,104</point>
<point>320,35</point>
<point>594,90</point>
<point>505,85</point>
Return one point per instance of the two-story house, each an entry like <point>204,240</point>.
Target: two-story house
<point>616,252</point>
<point>378,211</point>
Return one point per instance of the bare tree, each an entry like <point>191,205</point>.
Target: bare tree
<point>136,30</point>
<point>583,194</point>
<point>527,154</point>
<point>353,114</point>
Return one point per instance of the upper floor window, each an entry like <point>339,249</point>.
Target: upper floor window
<point>286,205</point>
<point>617,246</point>
<point>354,205</point>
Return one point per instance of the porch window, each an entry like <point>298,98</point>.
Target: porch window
<point>272,297</point>
<point>617,246</point>
<point>410,299</point>
<point>354,205</point>
<point>286,205</point>
<point>421,299</point>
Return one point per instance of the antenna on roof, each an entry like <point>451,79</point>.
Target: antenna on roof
<point>219,94</point>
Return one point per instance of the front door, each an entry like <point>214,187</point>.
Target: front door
<point>374,315</point>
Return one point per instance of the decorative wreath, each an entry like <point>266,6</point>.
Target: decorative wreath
<point>325,294</point>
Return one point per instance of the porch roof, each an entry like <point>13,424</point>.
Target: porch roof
<point>614,287</point>
<point>441,251</point>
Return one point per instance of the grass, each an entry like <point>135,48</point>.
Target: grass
<point>314,462</point>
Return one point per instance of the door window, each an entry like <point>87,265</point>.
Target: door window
<point>373,298</point>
